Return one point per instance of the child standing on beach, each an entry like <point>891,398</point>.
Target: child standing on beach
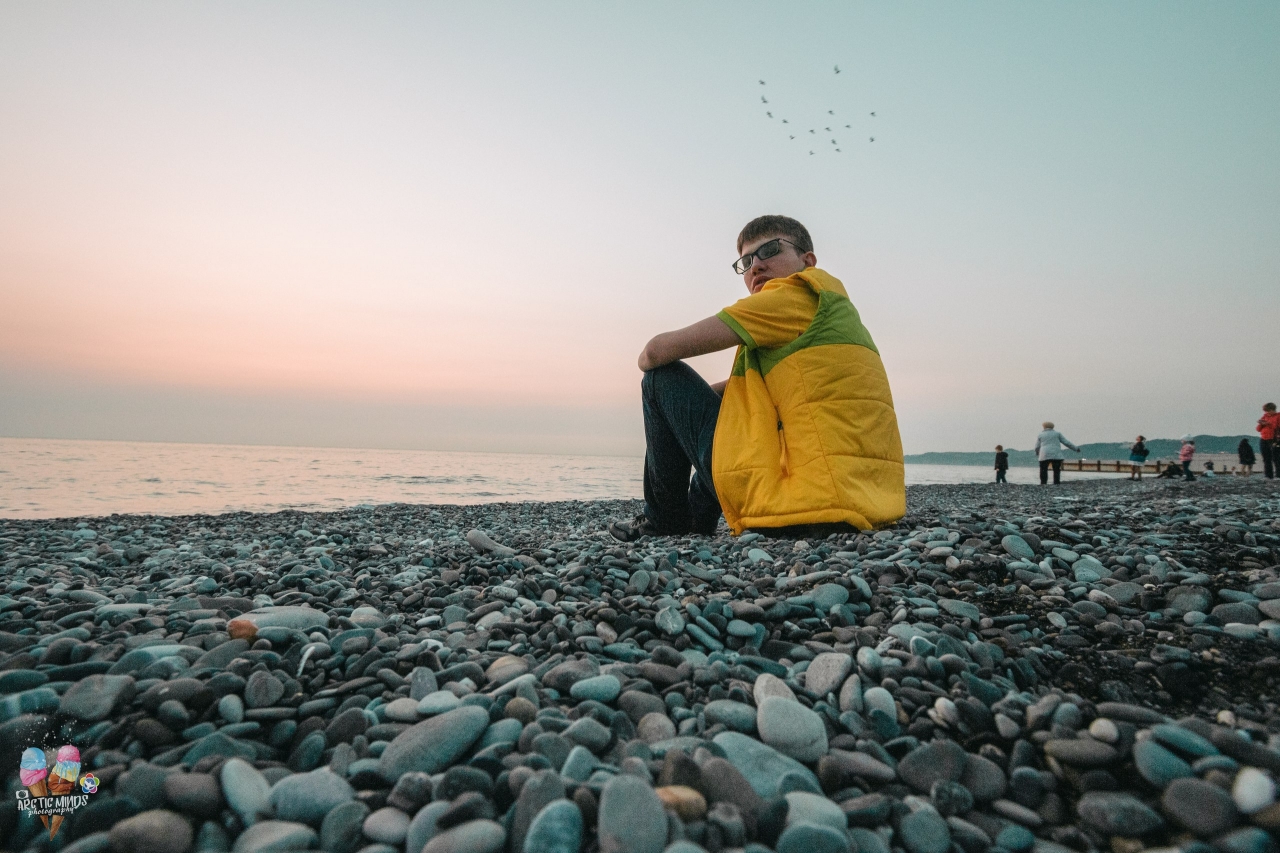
<point>1002,464</point>
<point>1247,459</point>
<point>1137,457</point>
<point>1185,455</point>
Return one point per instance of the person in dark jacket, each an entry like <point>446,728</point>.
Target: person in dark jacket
<point>1002,464</point>
<point>1138,454</point>
<point>1247,459</point>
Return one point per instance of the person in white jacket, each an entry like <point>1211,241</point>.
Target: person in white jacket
<point>1049,451</point>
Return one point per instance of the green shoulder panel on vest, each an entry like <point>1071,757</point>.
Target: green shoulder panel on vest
<point>836,322</point>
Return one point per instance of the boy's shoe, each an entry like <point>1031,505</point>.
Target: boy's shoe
<point>630,531</point>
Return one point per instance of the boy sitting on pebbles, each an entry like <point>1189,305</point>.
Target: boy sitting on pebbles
<point>801,439</point>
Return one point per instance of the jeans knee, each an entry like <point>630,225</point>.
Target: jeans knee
<point>653,379</point>
<point>648,384</point>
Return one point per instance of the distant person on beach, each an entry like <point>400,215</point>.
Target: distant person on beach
<point>1208,469</point>
<point>1185,455</point>
<point>1002,464</point>
<point>1247,459</point>
<point>801,439</point>
<point>1049,446</point>
<point>1138,454</point>
<point>1269,428</point>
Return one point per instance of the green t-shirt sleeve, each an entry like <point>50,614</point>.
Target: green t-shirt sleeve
<point>743,334</point>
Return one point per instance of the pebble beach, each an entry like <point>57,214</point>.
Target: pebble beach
<point>1089,667</point>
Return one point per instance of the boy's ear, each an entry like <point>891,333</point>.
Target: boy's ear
<point>810,259</point>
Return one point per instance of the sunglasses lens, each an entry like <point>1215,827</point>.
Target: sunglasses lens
<point>741,265</point>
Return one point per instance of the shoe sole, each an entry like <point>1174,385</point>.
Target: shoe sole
<point>627,536</point>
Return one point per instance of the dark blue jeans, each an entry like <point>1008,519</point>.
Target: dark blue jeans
<point>680,412</point>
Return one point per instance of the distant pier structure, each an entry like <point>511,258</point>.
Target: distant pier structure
<point>1223,463</point>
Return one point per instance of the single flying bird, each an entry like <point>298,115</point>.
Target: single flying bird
<point>837,150</point>
<point>810,153</point>
<point>848,125</point>
<point>812,131</point>
<point>784,121</point>
<point>831,112</point>
<point>763,99</point>
<point>827,129</point>
<point>790,137</point>
<point>761,82</point>
<point>837,69</point>
<point>873,139</point>
<point>873,115</point>
<point>769,114</point>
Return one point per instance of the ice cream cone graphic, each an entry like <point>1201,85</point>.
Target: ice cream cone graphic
<point>32,770</point>
<point>62,781</point>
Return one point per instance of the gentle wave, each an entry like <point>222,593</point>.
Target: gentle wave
<point>44,478</point>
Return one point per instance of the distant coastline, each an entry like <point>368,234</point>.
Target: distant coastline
<point>1161,448</point>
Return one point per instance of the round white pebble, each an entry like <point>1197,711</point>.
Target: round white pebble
<point>1253,790</point>
<point>1104,730</point>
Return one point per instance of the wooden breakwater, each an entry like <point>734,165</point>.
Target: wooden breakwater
<point>1223,463</point>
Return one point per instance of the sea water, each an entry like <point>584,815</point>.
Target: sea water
<point>47,478</point>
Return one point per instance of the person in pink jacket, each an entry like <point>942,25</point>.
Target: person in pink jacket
<point>1185,455</point>
<point>1269,428</point>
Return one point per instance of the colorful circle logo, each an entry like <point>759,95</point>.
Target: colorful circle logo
<point>89,783</point>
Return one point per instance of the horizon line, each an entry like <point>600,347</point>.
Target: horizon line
<point>318,447</point>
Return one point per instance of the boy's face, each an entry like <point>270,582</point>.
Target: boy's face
<point>781,265</point>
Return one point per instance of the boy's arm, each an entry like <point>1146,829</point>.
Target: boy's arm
<point>704,336</point>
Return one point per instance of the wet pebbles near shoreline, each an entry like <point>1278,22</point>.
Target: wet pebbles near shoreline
<point>1090,667</point>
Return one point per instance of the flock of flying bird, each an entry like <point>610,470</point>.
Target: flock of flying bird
<point>814,130</point>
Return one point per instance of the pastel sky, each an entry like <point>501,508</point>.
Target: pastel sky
<point>455,225</point>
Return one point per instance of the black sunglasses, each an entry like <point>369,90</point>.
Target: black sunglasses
<point>764,252</point>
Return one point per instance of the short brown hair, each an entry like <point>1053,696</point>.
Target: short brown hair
<point>784,226</point>
<point>1266,407</point>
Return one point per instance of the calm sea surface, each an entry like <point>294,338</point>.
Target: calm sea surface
<point>41,478</point>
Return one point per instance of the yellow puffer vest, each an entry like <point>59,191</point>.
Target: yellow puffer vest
<point>807,433</point>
